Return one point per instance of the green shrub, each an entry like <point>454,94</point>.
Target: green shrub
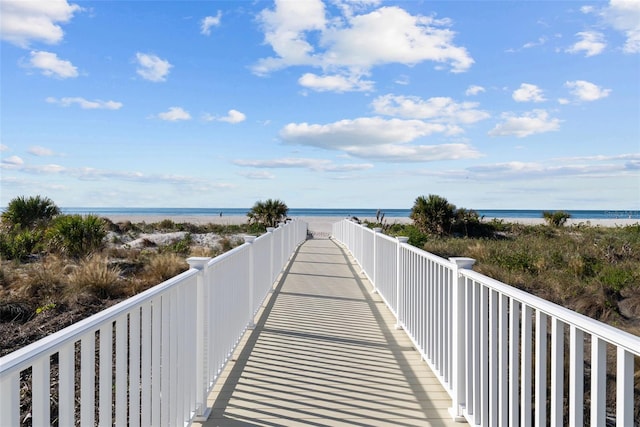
<point>29,212</point>
<point>556,219</point>
<point>433,214</point>
<point>180,247</point>
<point>76,236</point>
<point>19,244</point>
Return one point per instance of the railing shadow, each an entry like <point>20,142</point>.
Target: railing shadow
<point>320,367</point>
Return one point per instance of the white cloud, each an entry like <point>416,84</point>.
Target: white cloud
<point>50,65</point>
<point>346,47</point>
<point>548,169</point>
<point>152,68</point>
<point>304,163</point>
<point>22,22</point>
<point>587,91</point>
<point>175,114</point>
<point>624,16</point>
<point>4,147</point>
<point>210,21</point>
<point>233,116</point>
<point>335,83</point>
<point>258,175</point>
<point>438,109</point>
<point>403,80</point>
<point>591,43</point>
<point>40,151</point>
<point>85,104</point>
<point>536,121</point>
<point>528,93</point>
<point>474,90</point>
<point>12,161</point>
<point>391,35</point>
<point>377,138</point>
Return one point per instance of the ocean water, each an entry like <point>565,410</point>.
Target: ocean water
<point>357,212</point>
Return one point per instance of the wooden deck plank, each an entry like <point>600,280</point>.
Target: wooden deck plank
<point>325,352</point>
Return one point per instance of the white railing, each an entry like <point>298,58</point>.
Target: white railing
<point>498,351</point>
<point>152,359</point>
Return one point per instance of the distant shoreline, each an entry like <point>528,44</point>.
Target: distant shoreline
<point>323,224</point>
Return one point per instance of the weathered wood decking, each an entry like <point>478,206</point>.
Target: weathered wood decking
<point>325,352</point>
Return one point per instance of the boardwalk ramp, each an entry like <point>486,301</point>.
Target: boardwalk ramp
<point>325,352</point>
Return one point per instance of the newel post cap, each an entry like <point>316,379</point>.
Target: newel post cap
<point>249,239</point>
<point>402,239</point>
<point>463,262</point>
<point>377,229</point>
<point>270,229</point>
<point>198,262</point>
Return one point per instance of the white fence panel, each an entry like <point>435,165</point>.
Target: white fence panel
<point>498,351</point>
<point>151,359</point>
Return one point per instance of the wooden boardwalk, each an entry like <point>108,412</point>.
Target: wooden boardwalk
<point>325,353</point>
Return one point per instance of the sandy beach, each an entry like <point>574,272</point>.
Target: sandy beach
<point>323,224</point>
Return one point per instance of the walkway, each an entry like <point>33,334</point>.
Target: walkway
<point>325,352</point>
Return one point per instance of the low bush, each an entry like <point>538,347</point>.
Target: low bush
<point>76,236</point>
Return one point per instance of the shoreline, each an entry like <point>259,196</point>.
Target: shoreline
<point>323,224</point>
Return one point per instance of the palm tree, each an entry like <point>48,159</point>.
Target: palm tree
<point>29,212</point>
<point>433,214</point>
<point>268,213</point>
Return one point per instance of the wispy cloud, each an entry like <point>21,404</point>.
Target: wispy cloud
<point>586,91</point>
<point>528,93</point>
<point>318,165</point>
<point>152,68</point>
<point>530,123</point>
<point>86,104</point>
<point>591,43</point>
<point>233,117</point>
<point>175,114</point>
<point>51,66</point>
<point>41,151</point>
<point>437,109</point>
<point>474,90</point>
<point>379,139</point>
<point>210,21</point>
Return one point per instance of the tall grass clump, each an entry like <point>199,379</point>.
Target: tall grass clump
<point>94,277</point>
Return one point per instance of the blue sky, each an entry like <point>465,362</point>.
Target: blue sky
<point>361,103</point>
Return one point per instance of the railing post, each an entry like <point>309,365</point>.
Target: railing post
<point>399,287</point>
<point>202,337</point>
<point>271,239</point>
<point>250,240</point>
<point>376,230</point>
<point>458,353</point>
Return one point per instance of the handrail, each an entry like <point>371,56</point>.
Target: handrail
<point>477,335</point>
<point>603,331</point>
<point>23,356</point>
<point>166,347</point>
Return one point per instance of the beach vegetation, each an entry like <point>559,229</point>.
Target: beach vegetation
<point>268,213</point>
<point>76,235</point>
<point>179,247</point>
<point>557,218</point>
<point>433,214</point>
<point>96,278</point>
<point>29,212</point>
<point>56,269</point>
